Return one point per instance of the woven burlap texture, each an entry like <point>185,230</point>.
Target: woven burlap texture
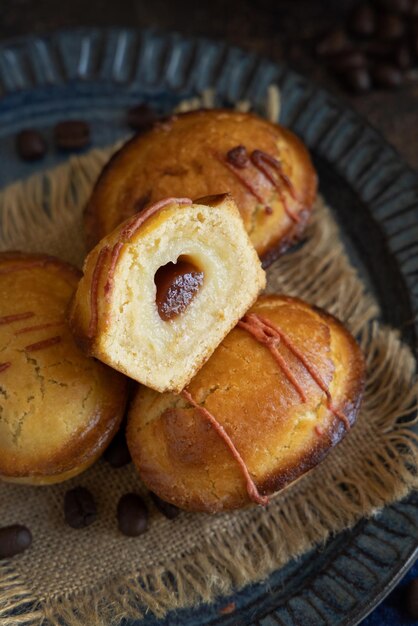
<point>95,576</point>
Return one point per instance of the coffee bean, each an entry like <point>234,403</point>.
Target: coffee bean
<point>117,454</point>
<point>413,9</point>
<point>403,57</point>
<point>411,604</point>
<point>30,145</point>
<point>363,20</point>
<point>238,157</point>
<point>71,135</point>
<point>390,27</point>
<point>387,76</point>
<point>169,510</point>
<point>14,540</point>
<point>399,6</point>
<point>357,80</point>
<point>79,508</point>
<point>347,60</point>
<point>141,117</point>
<point>333,42</point>
<point>380,49</point>
<point>132,515</point>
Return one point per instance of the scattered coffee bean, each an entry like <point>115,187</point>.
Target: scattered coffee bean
<point>336,41</point>
<point>238,156</point>
<point>141,117</point>
<point>79,508</point>
<point>117,454</point>
<point>399,6</point>
<point>387,76</point>
<point>347,60</point>
<point>403,57</point>
<point>71,135</point>
<point>376,49</point>
<point>411,604</point>
<point>30,145</point>
<point>132,515</point>
<point>390,27</point>
<point>358,80</point>
<point>363,20</point>
<point>14,540</point>
<point>169,510</point>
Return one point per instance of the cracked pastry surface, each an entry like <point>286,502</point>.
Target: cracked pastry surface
<point>138,311</point>
<point>264,166</point>
<point>58,408</point>
<point>284,387</point>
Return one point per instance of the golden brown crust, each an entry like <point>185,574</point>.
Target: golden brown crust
<point>59,409</point>
<point>181,457</point>
<point>186,154</point>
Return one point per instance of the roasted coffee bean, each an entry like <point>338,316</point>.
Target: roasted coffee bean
<point>403,57</point>
<point>413,9</point>
<point>169,510</point>
<point>336,41</point>
<point>30,145</point>
<point>387,76</point>
<point>390,27</point>
<point>117,454</point>
<point>132,515</point>
<point>72,135</point>
<point>411,597</point>
<point>141,117</point>
<point>382,50</point>
<point>399,6</point>
<point>363,20</point>
<point>358,80</point>
<point>79,508</point>
<point>238,157</point>
<point>14,540</point>
<point>347,60</point>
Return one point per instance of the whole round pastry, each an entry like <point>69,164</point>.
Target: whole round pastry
<point>58,408</point>
<point>277,395</point>
<point>264,166</point>
<point>162,291</point>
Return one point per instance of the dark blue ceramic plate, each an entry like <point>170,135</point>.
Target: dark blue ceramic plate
<point>97,75</point>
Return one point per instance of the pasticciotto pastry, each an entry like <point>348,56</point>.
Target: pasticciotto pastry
<point>58,408</point>
<point>278,394</point>
<point>162,291</point>
<point>264,166</point>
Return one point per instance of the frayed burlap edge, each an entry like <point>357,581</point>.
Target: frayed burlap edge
<point>302,515</point>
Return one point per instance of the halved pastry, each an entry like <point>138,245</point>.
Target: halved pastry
<point>264,166</point>
<point>279,392</point>
<point>162,291</point>
<point>58,408</point>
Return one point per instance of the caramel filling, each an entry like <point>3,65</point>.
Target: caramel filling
<point>177,284</point>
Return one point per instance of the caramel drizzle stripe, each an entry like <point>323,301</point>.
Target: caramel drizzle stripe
<point>46,343</point>
<point>29,329</point>
<point>309,368</point>
<point>246,183</point>
<point>252,490</point>
<point>94,289</point>
<point>127,232</point>
<point>8,319</point>
<point>259,332</point>
<point>4,366</point>
<point>259,159</point>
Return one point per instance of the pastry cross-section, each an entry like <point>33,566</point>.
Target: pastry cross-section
<point>162,291</point>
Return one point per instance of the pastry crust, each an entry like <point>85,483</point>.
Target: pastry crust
<point>187,154</point>
<point>114,315</point>
<point>278,435</point>
<point>58,408</point>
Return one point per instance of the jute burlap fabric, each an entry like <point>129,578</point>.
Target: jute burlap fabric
<point>96,576</point>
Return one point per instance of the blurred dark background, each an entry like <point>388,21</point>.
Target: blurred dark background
<point>288,30</point>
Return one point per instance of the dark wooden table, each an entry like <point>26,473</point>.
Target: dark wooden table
<point>280,29</point>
